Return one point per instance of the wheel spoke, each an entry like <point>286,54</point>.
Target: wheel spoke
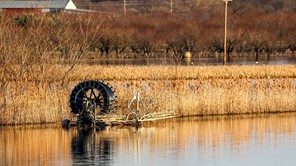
<point>93,93</point>
<point>98,100</point>
<point>98,97</point>
<point>84,95</point>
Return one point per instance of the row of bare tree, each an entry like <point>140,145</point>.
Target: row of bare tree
<point>28,38</point>
<point>163,34</point>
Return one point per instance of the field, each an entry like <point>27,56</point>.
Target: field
<point>186,90</point>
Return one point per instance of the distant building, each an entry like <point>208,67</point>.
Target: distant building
<point>37,6</point>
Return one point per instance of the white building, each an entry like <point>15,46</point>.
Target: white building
<point>37,6</point>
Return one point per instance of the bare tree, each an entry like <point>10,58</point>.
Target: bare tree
<point>215,45</point>
<point>257,42</point>
<point>121,40</point>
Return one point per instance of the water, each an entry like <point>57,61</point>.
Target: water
<point>237,140</point>
<point>286,60</point>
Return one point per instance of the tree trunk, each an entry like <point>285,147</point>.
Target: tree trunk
<point>257,54</point>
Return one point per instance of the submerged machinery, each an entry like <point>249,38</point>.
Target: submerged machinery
<point>92,103</point>
<point>90,98</point>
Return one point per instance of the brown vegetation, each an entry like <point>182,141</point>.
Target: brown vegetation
<point>155,35</point>
<point>185,90</point>
<point>41,61</point>
<point>186,6</point>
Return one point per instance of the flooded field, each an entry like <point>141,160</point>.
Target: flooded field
<point>285,60</point>
<point>244,140</point>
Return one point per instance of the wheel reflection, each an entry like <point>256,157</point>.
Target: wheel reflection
<point>87,149</point>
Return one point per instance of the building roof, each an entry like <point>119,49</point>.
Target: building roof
<point>49,4</point>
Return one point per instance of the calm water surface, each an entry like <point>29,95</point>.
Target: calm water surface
<point>238,140</point>
<point>284,60</point>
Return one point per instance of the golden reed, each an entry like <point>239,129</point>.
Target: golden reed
<point>40,95</point>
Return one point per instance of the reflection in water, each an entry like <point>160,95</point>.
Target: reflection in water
<point>88,150</point>
<point>247,140</point>
<point>34,145</point>
<point>194,61</point>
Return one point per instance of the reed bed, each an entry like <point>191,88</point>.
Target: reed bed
<point>55,73</point>
<point>39,94</point>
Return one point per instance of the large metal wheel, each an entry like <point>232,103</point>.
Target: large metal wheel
<point>92,95</point>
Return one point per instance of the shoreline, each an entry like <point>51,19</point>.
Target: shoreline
<point>199,117</point>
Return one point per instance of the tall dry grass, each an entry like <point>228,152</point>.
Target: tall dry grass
<point>188,91</point>
<point>41,63</point>
<point>55,72</point>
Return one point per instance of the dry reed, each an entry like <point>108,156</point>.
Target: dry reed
<point>42,97</point>
<point>37,75</point>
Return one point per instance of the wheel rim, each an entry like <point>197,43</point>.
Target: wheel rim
<point>91,95</point>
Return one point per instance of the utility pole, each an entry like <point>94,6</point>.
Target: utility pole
<point>171,6</point>
<point>124,8</point>
<point>225,33</point>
